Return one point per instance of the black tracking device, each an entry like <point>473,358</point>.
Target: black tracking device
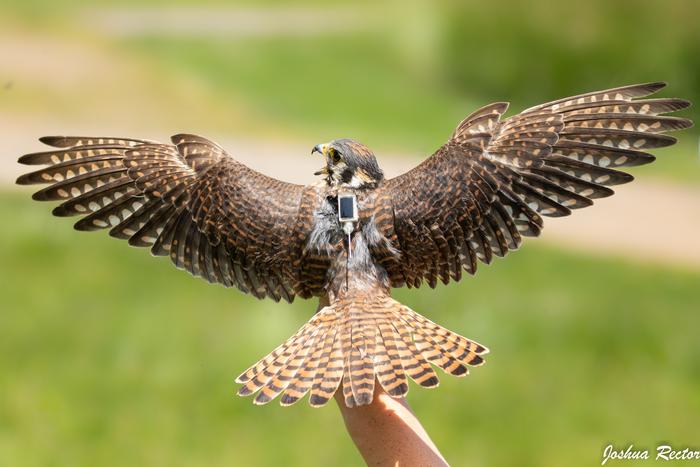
<point>347,208</point>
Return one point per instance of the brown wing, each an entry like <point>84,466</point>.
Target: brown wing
<point>212,215</point>
<point>487,187</point>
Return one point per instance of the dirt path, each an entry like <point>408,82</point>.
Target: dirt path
<point>645,220</point>
<point>229,22</point>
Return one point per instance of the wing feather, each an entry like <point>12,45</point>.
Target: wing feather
<point>189,200</point>
<point>496,177</point>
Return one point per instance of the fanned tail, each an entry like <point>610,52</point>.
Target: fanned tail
<point>357,341</point>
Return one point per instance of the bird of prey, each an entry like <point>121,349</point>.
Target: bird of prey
<point>354,235</point>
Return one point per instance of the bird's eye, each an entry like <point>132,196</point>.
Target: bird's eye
<point>335,155</point>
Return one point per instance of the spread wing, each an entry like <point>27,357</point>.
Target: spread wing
<point>189,200</point>
<point>489,185</point>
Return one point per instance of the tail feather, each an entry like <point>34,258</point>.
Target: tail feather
<point>462,349</point>
<point>360,365</point>
<point>413,361</point>
<point>301,384</point>
<point>356,341</point>
<point>436,354</point>
<point>327,381</point>
<point>287,371</point>
<point>259,374</point>
<point>346,349</point>
<point>389,369</point>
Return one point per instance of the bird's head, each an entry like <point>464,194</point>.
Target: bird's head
<point>349,164</point>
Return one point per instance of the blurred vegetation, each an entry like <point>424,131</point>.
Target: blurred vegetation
<point>405,81</point>
<point>403,75</point>
<point>539,49</point>
<point>319,90</point>
<point>110,357</point>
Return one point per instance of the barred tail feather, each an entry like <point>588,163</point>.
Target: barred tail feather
<point>359,342</point>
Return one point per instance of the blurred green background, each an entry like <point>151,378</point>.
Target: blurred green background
<point>110,357</point>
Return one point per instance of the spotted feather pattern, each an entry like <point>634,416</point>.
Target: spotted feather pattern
<point>351,344</point>
<point>187,200</point>
<point>489,185</point>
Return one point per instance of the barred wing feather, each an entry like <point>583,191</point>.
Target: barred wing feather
<point>188,200</point>
<point>492,182</point>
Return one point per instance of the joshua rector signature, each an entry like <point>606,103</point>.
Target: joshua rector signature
<point>663,452</point>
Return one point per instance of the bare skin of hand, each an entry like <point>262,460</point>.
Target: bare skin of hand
<point>387,433</point>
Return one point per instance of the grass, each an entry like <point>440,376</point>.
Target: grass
<point>110,357</point>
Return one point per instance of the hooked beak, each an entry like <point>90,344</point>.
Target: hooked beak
<point>319,148</point>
